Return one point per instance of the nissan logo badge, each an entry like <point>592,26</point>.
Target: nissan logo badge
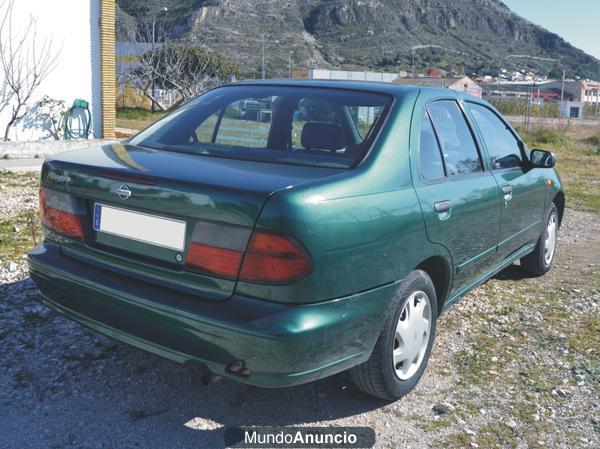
<point>124,192</point>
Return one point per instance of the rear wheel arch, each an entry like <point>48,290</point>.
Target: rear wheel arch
<point>559,201</point>
<point>438,270</point>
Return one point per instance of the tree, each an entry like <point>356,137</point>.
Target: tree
<point>25,62</point>
<point>188,69</point>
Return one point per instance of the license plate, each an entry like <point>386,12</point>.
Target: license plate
<point>139,226</point>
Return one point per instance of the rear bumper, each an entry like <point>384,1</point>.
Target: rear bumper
<point>281,344</point>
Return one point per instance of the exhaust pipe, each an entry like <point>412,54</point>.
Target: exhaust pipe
<point>209,378</point>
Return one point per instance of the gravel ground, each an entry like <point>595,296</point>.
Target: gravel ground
<point>516,364</point>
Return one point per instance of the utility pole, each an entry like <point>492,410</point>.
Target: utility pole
<point>528,106</point>
<point>262,55</point>
<point>290,65</point>
<point>413,63</point>
<point>562,94</point>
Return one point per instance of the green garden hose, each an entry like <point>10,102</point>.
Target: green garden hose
<point>83,132</point>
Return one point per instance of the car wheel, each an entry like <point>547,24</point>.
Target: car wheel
<point>540,260</point>
<point>404,345</point>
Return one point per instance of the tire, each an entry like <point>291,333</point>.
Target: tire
<point>378,376</point>
<point>540,260</point>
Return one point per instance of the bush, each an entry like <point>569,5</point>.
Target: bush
<point>136,113</point>
<point>593,141</point>
<point>542,136</point>
<point>519,107</point>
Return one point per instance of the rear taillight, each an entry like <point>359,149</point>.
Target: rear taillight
<point>219,261</point>
<point>274,258</point>
<point>217,249</point>
<point>270,258</point>
<point>62,213</point>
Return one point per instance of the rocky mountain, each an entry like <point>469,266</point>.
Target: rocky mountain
<point>477,36</point>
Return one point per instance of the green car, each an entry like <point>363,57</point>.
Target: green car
<point>280,232</point>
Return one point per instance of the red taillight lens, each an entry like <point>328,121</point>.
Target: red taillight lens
<point>219,261</point>
<point>62,213</point>
<point>218,249</point>
<point>274,258</point>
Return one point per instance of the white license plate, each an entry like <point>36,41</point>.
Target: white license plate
<point>146,228</point>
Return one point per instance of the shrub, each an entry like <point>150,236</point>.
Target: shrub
<point>593,141</point>
<point>542,136</point>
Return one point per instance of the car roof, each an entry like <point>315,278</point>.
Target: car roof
<point>366,86</point>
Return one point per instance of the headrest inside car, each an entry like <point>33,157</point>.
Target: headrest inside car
<point>323,136</point>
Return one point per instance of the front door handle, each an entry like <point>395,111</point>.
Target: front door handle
<point>442,207</point>
<point>507,191</point>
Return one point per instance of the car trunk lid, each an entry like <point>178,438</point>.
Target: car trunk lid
<point>170,186</point>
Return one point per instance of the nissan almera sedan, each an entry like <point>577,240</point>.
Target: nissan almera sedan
<point>280,232</point>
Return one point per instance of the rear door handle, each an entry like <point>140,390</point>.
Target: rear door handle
<point>442,207</point>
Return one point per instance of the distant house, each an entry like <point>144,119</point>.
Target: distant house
<point>581,91</point>
<point>82,33</point>
<point>460,84</point>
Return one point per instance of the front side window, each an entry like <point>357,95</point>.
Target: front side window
<point>284,124</point>
<point>461,156</point>
<point>502,145</point>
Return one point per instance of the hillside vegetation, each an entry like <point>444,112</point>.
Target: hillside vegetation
<point>474,35</point>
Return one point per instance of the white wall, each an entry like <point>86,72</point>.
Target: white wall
<point>325,74</point>
<point>73,26</point>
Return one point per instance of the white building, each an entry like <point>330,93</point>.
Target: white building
<point>326,74</point>
<point>82,37</point>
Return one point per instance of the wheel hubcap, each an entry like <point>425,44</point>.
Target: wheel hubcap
<point>412,335</point>
<point>550,243</point>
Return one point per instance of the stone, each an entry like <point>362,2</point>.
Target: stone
<point>441,408</point>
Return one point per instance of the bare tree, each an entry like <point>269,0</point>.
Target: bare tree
<point>182,67</point>
<point>25,62</point>
<point>138,69</point>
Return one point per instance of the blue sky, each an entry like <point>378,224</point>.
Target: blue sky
<point>577,21</point>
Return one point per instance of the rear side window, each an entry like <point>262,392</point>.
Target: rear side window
<point>430,157</point>
<point>461,156</point>
<point>503,147</point>
<point>284,124</point>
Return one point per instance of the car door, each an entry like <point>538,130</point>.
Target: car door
<point>523,189</point>
<point>460,200</point>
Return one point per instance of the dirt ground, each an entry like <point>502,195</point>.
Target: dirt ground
<point>517,360</point>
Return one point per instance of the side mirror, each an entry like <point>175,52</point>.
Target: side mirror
<point>542,159</point>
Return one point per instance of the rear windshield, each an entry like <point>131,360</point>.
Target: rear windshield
<point>295,125</point>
